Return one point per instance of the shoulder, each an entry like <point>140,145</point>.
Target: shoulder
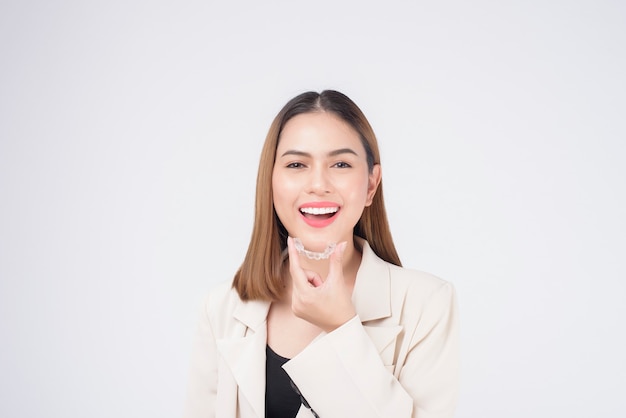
<point>417,285</point>
<point>409,293</point>
<point>221,298</point>
<point>229,315</point>
<point>420,297</point>
<point>220,304</point>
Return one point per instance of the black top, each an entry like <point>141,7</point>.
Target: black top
<point>281,400</point>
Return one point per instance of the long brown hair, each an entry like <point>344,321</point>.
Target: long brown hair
<point>260,274</point>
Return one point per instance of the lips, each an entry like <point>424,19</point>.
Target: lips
<point>319,214</point>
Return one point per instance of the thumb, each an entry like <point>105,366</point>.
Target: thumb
<point>336,261</point>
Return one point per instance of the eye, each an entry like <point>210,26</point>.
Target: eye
<point>295,165</point>
<point>342,164</point>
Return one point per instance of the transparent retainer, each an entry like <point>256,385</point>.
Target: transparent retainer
<point>312,255</point>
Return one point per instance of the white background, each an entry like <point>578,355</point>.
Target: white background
<point>130,134</point>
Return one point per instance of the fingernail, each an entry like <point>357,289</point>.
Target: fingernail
<point>342,246</point>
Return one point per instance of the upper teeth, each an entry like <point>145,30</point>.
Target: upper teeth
<point>319,211</point>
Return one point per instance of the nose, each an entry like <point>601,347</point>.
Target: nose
<point>319,182</point>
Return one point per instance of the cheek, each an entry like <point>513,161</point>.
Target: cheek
<point>283,192</point>
<point>279,183</point>
<point>356,188</point>
<point>277,189</point>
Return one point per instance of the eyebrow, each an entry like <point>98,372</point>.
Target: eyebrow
<point>330,154</point>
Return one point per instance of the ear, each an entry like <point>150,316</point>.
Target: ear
<point>372,184</point>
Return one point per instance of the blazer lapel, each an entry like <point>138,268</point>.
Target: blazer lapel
<point>372,301</point>
<point>372,290</point>
<point>245,353</point>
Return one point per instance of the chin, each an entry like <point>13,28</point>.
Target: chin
<point>316,244</point>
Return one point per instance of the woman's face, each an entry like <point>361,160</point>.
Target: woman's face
<point>321,181</point>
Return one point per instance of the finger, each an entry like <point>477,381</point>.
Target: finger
<point>294,261</point>
<point>299,277</point>
<point>335,268</point>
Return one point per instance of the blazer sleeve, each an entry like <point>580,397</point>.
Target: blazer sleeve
<point>341,374</point>
<point>202,387</point>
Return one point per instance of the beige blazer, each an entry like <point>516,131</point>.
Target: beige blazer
<point>399,357</point>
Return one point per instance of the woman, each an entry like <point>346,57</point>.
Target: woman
<point>321,319</point>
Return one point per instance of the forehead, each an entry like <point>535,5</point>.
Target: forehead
<point>319,130</point>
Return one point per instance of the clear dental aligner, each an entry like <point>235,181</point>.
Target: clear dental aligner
<point>312,254</point>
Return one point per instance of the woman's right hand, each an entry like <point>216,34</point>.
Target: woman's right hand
<point>324,303</point>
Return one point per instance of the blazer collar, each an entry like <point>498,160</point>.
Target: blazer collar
<point>252,313</point>
<point>372,289</point>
